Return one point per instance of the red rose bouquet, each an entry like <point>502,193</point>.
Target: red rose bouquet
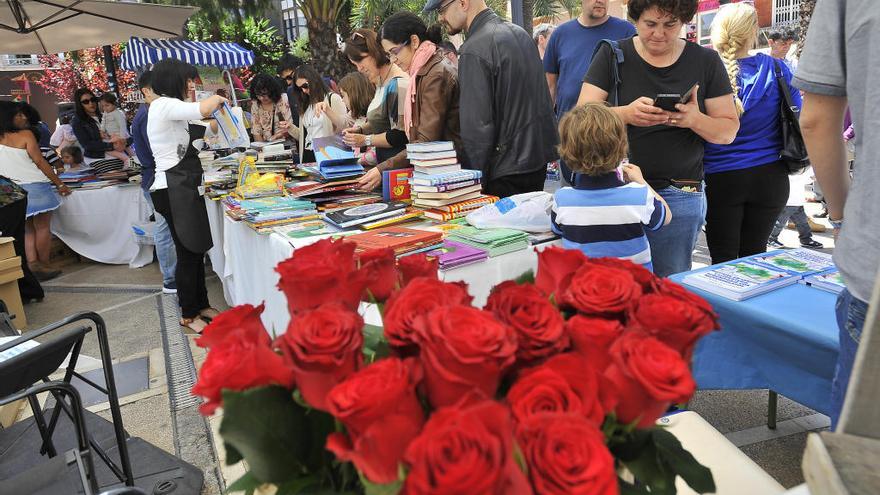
<point>553,387</point>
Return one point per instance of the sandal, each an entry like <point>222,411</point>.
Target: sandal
<point>209,314</point>
<point>193,325</point>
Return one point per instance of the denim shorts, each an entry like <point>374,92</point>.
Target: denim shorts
<point>41,198</point>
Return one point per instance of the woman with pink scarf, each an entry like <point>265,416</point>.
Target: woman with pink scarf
<point>431,106</point>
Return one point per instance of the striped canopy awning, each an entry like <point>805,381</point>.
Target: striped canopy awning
<point>141,52</point>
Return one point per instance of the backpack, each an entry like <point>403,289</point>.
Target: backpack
<point>614,68</point>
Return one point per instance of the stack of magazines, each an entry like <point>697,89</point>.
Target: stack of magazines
<point>494,241</point>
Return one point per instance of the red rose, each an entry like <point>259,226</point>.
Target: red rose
<point>381,275</point>
<point>239,364</point>
<point>381,413</point>
<point>539,326</point>
<point>465,450</point>
<point>677,322</point>
<point>641,275</point>
<point>244,320</point>
<point>566,455</point>
<point>555,269</point>
<point>592,338</point>
<point>417,265</point>
<point>565,383</point>
<point>669,288</point>
<point>463,349</point>
<point>600,290</point>
<point>648,376</point>
<point>324,347</point>
<point>414,302</point>
<point>320,273</point>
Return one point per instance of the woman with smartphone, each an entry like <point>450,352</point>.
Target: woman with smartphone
<point>746,183</point>
<point>666,144</point>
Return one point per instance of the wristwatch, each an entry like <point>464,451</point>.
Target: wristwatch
<point>368,140</point>
<point>835,224</point>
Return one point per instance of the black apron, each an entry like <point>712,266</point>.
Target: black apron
<point>188,210</point>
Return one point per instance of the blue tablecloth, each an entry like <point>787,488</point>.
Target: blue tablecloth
<point>785,340</point>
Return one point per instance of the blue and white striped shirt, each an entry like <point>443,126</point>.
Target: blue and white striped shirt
<point>603,217</point>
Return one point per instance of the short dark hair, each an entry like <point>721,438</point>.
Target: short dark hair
<point>364,43</point>
<point>317,89</point>
<point>264,83</point>
<point>170,76</point>
<point>145,80</point>
<point>110,98</point>
<point>8,111</point>
<point>683,10</point>
<point>783,34</point>
<point>73,151</point>
<point>400,26</point>
<point>32,114</point>
<point>78,106</point>
<point>448,47</point>
<point>288,61</point>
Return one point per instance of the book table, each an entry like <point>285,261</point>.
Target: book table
<point>784,340</point>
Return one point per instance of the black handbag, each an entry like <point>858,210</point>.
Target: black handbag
<point>794,151</point>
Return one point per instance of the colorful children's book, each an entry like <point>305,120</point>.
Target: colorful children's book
<point>401,239</point>
<point>395,184</point>
<point>454,254</point>
<point>358,215</point>
<point>800,261</point>
<point>434,180</point>
<point>829,281</point>
<point>740,280</point>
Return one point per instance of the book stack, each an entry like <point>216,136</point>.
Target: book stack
<point>438,179</point>
<point>459,210</point>
<point>358,215</point>
<point>401,239</point>
<point>263,214</point>
<point>455,254</point>
<point>494,241</point>
<point>76,178</point>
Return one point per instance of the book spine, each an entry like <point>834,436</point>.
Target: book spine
<point>448,179</point>
<point>471,204</point>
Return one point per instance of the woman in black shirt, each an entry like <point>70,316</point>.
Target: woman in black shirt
<point>668,146</point>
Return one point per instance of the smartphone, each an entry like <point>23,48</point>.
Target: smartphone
<point>667,101</point>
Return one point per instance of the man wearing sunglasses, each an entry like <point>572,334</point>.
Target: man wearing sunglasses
<point>508,129</point>
<point>286,67</point>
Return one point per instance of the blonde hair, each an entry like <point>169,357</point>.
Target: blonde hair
<point>592,139</point>
<point>733,26</point>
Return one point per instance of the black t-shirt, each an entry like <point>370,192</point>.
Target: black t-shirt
<point>663,152</point>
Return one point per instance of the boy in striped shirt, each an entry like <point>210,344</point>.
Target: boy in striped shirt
<point>605,213</point>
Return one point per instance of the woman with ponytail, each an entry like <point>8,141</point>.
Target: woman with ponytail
<point>430,110</point>
<point>746,183</point>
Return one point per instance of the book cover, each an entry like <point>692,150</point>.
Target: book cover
<point>395,184</point>
<point>830,281</point>
<point>470,204</point>
<point>397,238</point>
<point>231,127</point>
<point>430,146</point>
<point>437,170</point>
<point>454,253</point>
<point>434,155</point>
<point>433,180</point>
<point>308,188</point>
<point>364,213</point>
<point>434,163</point>
<point>740,280</point>
<point>440,202</point>
<point>403,217</point>
<point>796,261</point>
<point>454,193</point>
<point>445,187</point>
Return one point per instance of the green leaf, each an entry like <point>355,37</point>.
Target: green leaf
<point>233,456</point>
<point>527,277</point>
<point>649,470</point>
<point>268,429</point>
<point>375,345</point>
<point>371,488</point>
<point>682,462</point>
<point>244,484</point>
<point>627,488</point>
<point>306,484</point>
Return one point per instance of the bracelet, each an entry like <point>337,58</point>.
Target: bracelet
<point>835,224</point>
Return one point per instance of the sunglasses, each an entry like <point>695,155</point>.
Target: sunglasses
<point>289,79</point>
<point>444,7</point>
<point>396,50</point>
<point>304,86</point>
<point>86,101</point>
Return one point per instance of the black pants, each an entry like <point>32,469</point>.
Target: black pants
<point>12,220</point>
<point>190,274</point>
<point>516,184</point>
<point>743,207</point>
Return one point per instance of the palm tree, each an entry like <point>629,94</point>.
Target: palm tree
<point>322,17</point>
<point>806,13</point>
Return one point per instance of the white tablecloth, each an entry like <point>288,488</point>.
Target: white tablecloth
<point>245,262</point>
<point>96,223</point>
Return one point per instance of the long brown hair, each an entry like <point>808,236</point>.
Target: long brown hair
<point>360,93</point>
<point>317,89</point>
<point>364,43</point>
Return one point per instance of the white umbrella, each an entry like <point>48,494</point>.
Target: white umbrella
<point>53,26</point>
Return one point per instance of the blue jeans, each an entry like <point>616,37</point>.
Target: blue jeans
<point>850,320</point>
<point>164,245</point>
<point>672,246</point>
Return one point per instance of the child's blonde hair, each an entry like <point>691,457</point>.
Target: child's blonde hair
<point>592,139</point>
<point>734,26</point>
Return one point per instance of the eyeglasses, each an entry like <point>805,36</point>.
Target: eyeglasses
<point>86,101</point>
<point>396,50</point>
<point>444,7</point>
<point>303,87</point>
<point>262,94</point>
<point>289,79</point>
<point>356,35</point>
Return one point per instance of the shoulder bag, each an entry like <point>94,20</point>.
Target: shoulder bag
<point>794,151</point>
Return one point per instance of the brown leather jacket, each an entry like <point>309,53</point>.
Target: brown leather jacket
<point>435,111</point>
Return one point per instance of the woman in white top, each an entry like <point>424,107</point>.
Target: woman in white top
<point>177,189</point>
<point>21,161</point>
<point>314,123</point>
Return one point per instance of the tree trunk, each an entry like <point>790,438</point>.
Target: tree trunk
<point>528,7</point>
<point>806,13</point>
<point>326,57</point>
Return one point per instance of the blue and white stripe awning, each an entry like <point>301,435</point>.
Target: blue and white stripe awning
<point>141,52</point>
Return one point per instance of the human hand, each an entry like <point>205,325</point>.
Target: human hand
<point>642,113</point>
<point>687,114</point>
<point>284,125</point>
<point>63,190</point>
<point>353,130</point>
<point>217,101</point>
<point>321,108</point>
<point>632,173</point>
<point>354,140</point>
<point>119,144</point>
<point>370,180</point>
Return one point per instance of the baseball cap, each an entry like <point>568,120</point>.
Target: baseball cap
<point>432,5</point>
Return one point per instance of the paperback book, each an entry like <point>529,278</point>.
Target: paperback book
<point>740,280</point>
<point>358,215</point>
<point>796,261</point>
<point>454,254</point>
<point>829,281</point>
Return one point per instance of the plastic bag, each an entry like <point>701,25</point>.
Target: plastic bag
<point>529,212</point>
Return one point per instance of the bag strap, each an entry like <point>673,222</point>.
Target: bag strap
<point>783,88</point>
<point>613,66</point>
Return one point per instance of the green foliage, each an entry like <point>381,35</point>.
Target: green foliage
<point>255,34</point>
<point>300,47</point>
<point>545,8</point>
<point>573,7</point>
<point>371,13</point>
<point>527,277</point>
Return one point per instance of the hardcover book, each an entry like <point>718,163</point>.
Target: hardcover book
<point>395,184</point>
<point>364,214</point>
<point>740,280</point>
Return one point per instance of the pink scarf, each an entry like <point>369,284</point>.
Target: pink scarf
<point>420,58</point>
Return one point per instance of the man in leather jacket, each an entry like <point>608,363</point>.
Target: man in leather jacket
<point>507,125</point>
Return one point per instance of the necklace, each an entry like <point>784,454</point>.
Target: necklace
<point>387,73</point>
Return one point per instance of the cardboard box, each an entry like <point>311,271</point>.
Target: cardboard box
<point>10,272</point>
<point>7,249</point>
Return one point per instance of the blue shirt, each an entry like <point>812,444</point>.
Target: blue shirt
<point>759,139</point>
<point>569,51</point>
<point>603,217</point>
<point>142,147</point>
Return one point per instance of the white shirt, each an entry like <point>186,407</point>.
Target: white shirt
<point>319,127</point>
<point>168,132</point>
<point>115,123</point>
